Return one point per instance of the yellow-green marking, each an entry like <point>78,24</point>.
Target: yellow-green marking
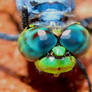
<point>56,66</point>
<point>59,50</point>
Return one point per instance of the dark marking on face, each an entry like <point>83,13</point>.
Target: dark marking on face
<point>70,58</point>
<point>35,35</point>
<point>34,28</point>
<point>47,32</point>
<point>84,33</point>
<point>25,39</point>
<point>59,68</point>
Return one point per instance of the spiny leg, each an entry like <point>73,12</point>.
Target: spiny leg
<point>9,37</point>
<point>84,72</point>
<point>24,23</point>
<point>24,17</point>
<point>85,22</point>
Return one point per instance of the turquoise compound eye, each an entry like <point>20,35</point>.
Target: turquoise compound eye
<point>35,42</point>
<point>75,38</point>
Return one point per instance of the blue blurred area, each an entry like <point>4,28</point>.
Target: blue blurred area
<point>52,10</point>
<point>85,22</point>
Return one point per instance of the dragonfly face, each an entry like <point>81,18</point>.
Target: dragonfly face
<point>51,52</point>
<point>51,45</point>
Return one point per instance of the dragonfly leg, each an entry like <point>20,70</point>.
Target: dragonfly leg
<point>9,37</point>
<point>24,17</point>
<point>85,22</point>
<point>81,66</point>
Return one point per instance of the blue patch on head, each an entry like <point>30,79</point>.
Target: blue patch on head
<point>64,3</point>
<point>51,10</point>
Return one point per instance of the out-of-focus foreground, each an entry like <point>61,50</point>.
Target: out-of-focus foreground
<point>13,64</point>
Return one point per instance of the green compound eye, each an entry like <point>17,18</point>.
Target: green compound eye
<point>75,39</point>
<point>56,66</point>
<point>59,50</point>
<point>35,42</point>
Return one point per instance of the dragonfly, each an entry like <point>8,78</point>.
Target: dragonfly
<point>51,37</point>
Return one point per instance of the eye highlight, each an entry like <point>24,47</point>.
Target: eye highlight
<point>75,39</point>
<point>36,42</point>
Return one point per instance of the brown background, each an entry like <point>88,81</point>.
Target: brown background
<point>13,64</point>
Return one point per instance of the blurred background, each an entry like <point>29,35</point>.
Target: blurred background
<point>14,68</point>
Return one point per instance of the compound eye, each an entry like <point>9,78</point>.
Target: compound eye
<point>75,38</point>
<point>36,42</point>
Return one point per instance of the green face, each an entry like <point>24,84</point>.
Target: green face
<point>37,41</point>
<point>54,65</point>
